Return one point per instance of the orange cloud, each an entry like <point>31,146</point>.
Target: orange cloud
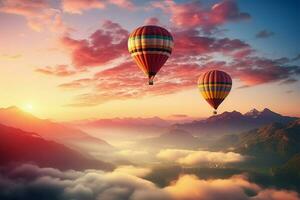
<point>196,158</point>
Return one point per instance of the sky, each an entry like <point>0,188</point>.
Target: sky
<point>68,59</point>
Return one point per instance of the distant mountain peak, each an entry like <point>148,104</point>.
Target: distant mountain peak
<point>267,110</point>
<point>177,131</point>
<point>252,112</point>
<point>235,122</point>
<point>225,115</point>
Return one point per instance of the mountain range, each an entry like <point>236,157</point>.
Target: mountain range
<point>273,142</point>
<point>72,137</point>
<point>233,122</point>
<point>172,138</point>
<point>18,146</point>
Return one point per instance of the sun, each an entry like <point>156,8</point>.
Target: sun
<point>28,108</point>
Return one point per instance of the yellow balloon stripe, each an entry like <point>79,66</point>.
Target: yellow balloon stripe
<point>145,47</point>
<point>210,84</point>
<point>145,42</point>
<point>219,95</point>
<point>150,52</point>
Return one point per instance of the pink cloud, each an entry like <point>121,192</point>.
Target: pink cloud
<point>59,70</point>
<point>126,81</point>
<point>78,6</point>
<point>123,3</point>
<point>39,14</point>
<point>194,14</point>
<point>76,84</point>
<point>189,43</point>
<point>256,70</point>
<point>192,54</point>
<point>152,21</point>
<point>227,10</point>
<point>102,46</point>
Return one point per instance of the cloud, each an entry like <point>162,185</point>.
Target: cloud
<point>39,14</point>
<point>189,42</point>
<point>103,46</point>
<point>195,158</point>
<point>134,153</point>
<point>264,34</point>
<point>47,183</point>
<point>33,182</point>
<point>126,81</point>
<point>152,21</point>
<point>58,70</point>
<point>5,56</point>
<point>257,70</point>
<point>296,58</point>
<point>189,187</point>
<point>123,3</point>
<point>119,77</point>
<point>78,6</point>
<point>289,81</point>
<point>132,170</point>
<point>76,84</point>
<point>276,195</point>
<point>194,14</point>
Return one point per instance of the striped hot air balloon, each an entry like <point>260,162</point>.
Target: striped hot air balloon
<point>214,86</point>
<point>150,47</point>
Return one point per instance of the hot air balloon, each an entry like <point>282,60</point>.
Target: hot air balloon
<point>214,86</point>
<point>150,47</point>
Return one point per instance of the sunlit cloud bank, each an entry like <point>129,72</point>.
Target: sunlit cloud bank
<point>32,182</point>
<point>132,170</point>
<point>189,187</point>
<point>191,158</point>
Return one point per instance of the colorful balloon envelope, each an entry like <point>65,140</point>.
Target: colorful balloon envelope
<point>150,47</point>
<point>214,86</point>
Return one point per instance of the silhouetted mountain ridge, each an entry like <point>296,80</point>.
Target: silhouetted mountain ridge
<point>234,122</point>
<point>173,138</point>
<point>15,117</point>
<point>18,146</point>
<point>272,143</point>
